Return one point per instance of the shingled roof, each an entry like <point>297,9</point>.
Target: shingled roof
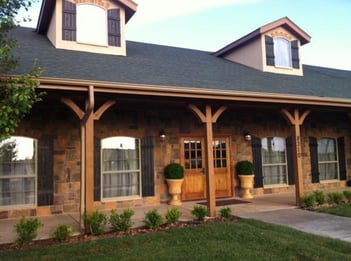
<point>164,66</point>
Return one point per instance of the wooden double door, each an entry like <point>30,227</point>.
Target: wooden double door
<point>193,158</point>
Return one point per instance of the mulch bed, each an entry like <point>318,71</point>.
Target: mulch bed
<point>130,232</point>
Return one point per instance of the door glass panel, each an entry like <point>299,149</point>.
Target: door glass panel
<point>193,154</point>
<point>219,153</point>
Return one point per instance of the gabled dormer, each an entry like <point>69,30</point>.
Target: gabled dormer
<point>275,47</point>
<point>96,26</point>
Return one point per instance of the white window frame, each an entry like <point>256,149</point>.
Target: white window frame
<point>92,25</point>
<point>282,52</point>
<point>284,164</point>
<point>23,176</point>
<point>116,172</point>
<point>324,162</point>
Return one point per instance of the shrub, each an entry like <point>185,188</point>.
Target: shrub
<point>199,212</point>
<point>335,197</point>
<point>320,197</point>
<point>27,230</point>
<point>121,222</point>
<point>244,167</point>
<point>309,201</point>
<point>225,212</point>
<point>173,215</point>
<point>153,219</point>
<point>347,195</point>
<point>62,232</point>
<point>174,171</point>
<point>95,222</point>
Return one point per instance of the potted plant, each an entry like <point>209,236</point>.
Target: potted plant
<point>244,170</point>
<point>174,174</point>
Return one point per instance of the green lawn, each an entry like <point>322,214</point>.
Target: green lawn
<point>242,240</point>
<point>339,210</point>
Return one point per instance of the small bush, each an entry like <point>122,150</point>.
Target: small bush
<point>309,201</point>
<point>320,197</point>
<point>335,197</point>
<point>121,222</point>
<point>62,232</point>
<point>153,219</point>
<point>347,195</point>
<point>225,212</point>
<point>173,215</point>
<point>199,212</point>
<point>95,222</point>
<point>27,230</point>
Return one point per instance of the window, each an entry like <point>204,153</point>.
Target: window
<point>193,154</point>
<point>18,168</point>
<point>327,159</point>
<point>120,167</point>
<point>91,31</point>
<point>219,154</point>
<point>274,163</point>
<point>282,52</point>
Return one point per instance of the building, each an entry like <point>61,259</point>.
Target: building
<point>116,112</point>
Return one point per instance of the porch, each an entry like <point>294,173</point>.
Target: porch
<point>263,203</point>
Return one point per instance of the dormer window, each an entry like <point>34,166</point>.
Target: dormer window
<point>281,52</point>
<point>91,24</point>
<point>91,31</point>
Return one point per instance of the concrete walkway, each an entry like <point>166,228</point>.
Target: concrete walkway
<point>277,209</point>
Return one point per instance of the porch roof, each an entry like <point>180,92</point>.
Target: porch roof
<point>165,66</point>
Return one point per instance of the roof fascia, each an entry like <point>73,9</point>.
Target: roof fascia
<point>196,93</point>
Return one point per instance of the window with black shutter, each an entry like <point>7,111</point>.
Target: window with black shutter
<point>147,166</point>
<point>269,50</point>
<point>69,21</point>
<point>314,159</point>
<point>257,161</point>
<point>290,160</point>
<point>341,158</point>
<point>45,171</point>
<point>114,29</point>
<point>295,54</point>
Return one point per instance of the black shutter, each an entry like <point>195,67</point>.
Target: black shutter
<point>147,167</point>
<point>314,159</point>
<point>45,171</point>
<point>290,159</point>
<point>295,54</point>
<point>341,156</point>
<point>68,21</point>
<point>97,169</point>
<point>257,161</point>
<point>114,27</point>
<point>269,50</point>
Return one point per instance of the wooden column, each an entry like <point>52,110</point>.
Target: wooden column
<point>87,118</point>
<point>296,120</point>
<point>209,119</point>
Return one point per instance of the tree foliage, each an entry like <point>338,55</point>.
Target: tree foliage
<point>17,92</point>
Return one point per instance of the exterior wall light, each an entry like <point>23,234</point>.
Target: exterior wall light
<point>247,136</point>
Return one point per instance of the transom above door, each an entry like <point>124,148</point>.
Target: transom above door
<point>193,159</point>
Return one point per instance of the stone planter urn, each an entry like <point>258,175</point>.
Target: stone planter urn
<point>245,170</point>
<point>174,174</point>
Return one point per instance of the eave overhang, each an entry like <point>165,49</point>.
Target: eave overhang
<point>191,92</point>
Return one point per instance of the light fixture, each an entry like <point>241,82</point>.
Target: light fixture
<point>247,136</point>
<point>162,135</point>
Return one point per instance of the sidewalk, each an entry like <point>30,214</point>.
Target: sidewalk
<point>277,209</point>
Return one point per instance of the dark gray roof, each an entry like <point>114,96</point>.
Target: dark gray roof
<point>170,66</point>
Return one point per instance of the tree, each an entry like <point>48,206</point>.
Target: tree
<point>17,93</point>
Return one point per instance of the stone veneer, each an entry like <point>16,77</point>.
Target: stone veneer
<point>139,120</point>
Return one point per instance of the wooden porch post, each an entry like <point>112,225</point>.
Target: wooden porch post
<point>296,120</point>
<point>209,119</point>
<point>87,118</point>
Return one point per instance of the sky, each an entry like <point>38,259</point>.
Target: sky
<point>210,25</point>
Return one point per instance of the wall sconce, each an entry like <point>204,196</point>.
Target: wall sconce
<point>247,136</point>
<point>162,135</point>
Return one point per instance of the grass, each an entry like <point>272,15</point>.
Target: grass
<point>242,240</point>
<point>339,210</point>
